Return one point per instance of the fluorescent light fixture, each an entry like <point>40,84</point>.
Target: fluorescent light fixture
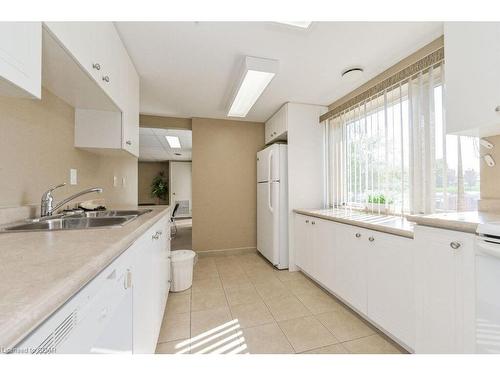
<point>301,24</point>
<point>173,141</point>
<point>256,75</point>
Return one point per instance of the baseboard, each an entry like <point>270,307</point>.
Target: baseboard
<point>227,252</point>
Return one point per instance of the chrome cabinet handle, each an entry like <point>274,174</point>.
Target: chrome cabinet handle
<point>96,66</point>
<point>455,245</point>
<point>313,222</point>
<point>358,235</point>
<point>129,142</point>
<point>307,221</point>
<point>128,280</point>
<point>159,232</point>
<point>105,78</point>
<point>371,239</point>
<point>497,108</point>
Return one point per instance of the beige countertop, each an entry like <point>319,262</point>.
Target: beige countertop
<point>40,271</point>
<point>383,223</point>
<point>459,221</point>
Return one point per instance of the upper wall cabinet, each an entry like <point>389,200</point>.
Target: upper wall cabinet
<point>277,126</point>
<point>21,59</point>
<point>472,56</point>
<point>87,64</point>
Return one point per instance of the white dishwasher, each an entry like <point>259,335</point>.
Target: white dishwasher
<point>98,319</point>
<point>488,288</point>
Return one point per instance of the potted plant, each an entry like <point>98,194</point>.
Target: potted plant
<point>159,188</point>
<point>379,203</point>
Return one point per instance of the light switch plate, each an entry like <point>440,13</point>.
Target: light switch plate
<point>115,181</point>
<point>124,181</point>
<point>73,177</point>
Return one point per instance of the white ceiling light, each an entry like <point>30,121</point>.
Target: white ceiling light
<point>173,141</point>
<point>256,75</point>
<point>301,24</point>
<point>352,74</point>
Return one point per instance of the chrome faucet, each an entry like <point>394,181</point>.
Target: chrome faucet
<point>47,208</point>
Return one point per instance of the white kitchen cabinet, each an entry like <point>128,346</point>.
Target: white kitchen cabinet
<point>151,285</point>
<point>276,127</point>
<point>120,310</point>
<point>444,291</point>
<point>472,58</point>
<point>303,243</point>
<point>390,284</point>
<point>371,271</point>
<point>350,269</point>
<point>314,241</point>
<point>96,48</point>
<point>21,59</point>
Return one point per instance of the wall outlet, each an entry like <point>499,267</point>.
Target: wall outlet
<point>73,179</point>
<point>115,181</point>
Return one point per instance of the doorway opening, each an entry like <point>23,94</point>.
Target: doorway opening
<point>165,177</point>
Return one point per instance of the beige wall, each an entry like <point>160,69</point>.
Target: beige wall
<point>149,121</point>
<point>224,183</point>
<point>36,152</point>
<point>146,172</point>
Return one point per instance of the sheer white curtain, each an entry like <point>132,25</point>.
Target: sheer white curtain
<point>390,152</point>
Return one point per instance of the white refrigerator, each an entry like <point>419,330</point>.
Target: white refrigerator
<point>272,204</point>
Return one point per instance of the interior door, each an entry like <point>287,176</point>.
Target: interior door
<point>181,187</point>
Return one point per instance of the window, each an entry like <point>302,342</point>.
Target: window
<point>390,152</point>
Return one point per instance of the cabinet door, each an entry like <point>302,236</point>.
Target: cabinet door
<point>472,76</point>
<point>130,138</point>
<point>21,59</point>
<point>443,291</point>
<point>95,46</point>
<point>390,284</point>
<point>323,238</point>
<point>144,317</point>
<point>276,126</point>
<point>302,243</point>
<point>350,267</point>
<point>280,122</point>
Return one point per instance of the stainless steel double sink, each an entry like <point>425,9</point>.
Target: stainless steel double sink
<point>84,220</point>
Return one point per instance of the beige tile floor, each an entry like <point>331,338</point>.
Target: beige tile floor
<point>241,304</point>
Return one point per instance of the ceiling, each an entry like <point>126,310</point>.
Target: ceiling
<point>189,69</point>
<point>153,145</point>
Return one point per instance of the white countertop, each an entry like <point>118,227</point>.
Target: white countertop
<point>459,221</point>
<point>383,223</point>
<point>40,271</point>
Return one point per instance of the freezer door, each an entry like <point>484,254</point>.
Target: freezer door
<point>268,215</point>
<point>268,164</point>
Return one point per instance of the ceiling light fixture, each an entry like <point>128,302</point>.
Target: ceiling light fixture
<point>255,76</point>
<point>173,141</point>
<point>352,73</point>
<point>301,24</point>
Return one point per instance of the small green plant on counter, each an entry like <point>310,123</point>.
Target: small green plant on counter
<point>379,199</point>
<point>159,187</point>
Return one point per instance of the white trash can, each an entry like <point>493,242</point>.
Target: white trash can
<point>182,269</point>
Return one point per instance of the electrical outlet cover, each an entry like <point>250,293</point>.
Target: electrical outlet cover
<point>73,176</point>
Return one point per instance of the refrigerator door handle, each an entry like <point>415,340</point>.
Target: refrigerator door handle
<point>269,179</point>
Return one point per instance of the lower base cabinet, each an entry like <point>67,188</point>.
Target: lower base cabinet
<point>444,291</point>
<point>372,272</point>
<point>120,310</point>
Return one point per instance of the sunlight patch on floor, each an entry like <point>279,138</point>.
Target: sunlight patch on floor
<point>226,338</point>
